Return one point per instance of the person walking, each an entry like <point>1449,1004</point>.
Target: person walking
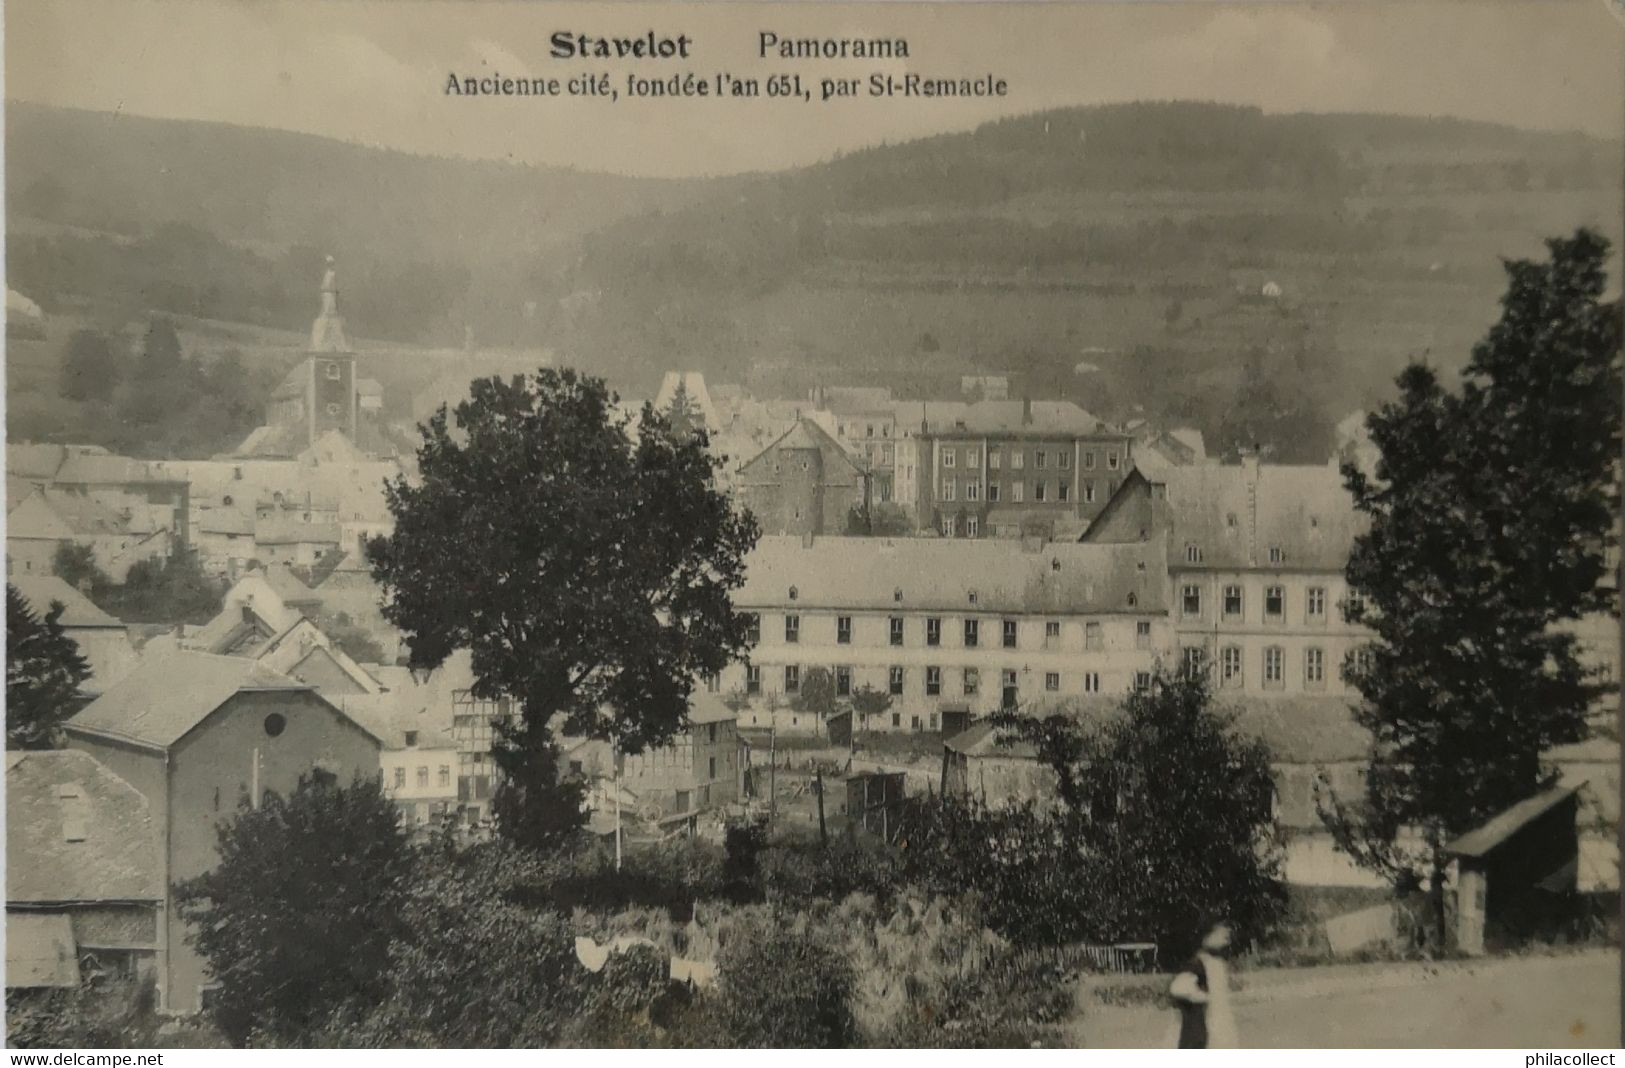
<point>1201,993</point>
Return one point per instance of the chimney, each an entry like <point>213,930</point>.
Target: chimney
<point>807,540</point>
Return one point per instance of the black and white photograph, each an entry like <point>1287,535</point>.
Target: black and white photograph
<point>732,525</point>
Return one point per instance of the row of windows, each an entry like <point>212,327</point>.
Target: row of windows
<point>1018,459</point>
<point>442,779</point>
<point>1043,491</point>
<point>1274,665</point>
<point>1094,634</point>
<point>969,680</point>
<point>1233,603</point>
<point>1277,555</point>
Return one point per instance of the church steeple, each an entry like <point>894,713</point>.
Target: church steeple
<point>327,332</point>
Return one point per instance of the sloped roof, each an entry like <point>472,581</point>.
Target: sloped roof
<point>706,707</point>
<point>278,531</point>
<point>1014,416</point>
<point>1301,729</point>
<point>33,460</point>
<point>982,739</point>
<point>1486,837</point>
<point>806,434</point>
<point>117,858</point>
<point>40,950</point>
<point>170,693</point>
<point>1235,516</point>
<point>274,441</point>
<point>229,520</point>
<point>1058,578</point>
<point>78,610</point>
<point>46,514</point>
<point>389,715</point>
<point>92,469</point>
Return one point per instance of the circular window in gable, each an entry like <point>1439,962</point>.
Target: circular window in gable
<point>275,724</point>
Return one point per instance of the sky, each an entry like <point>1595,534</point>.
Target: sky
<point>375,72</point>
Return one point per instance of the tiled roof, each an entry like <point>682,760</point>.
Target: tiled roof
<point>1058,578</point>
<point>1485,838</point>
<point>1236,518</point>
<point>277,531</point>
<point>169,694</point>
<point>78,610</point>
<point>1298,730</point>
<point>91,469</point>
<point>807,434</point>
<point>1014,416</point>
<point>116,858</point>
<point>47,513</point>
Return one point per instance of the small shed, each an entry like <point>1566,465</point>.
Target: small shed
<point>874,800</point>
<point>1516,872</point>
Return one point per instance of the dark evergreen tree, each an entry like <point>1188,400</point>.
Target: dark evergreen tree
<point>1492,512</point>
<point>587,563</point>
<point>90,368</point>
<point>44,670</point>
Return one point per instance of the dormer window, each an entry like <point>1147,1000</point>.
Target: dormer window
<point>794,593</point>
<point>332,372</point>
<point>972,596</point>
<point>71,799</point>
<point>1193,554</point>
<point>1230,520</point>
<point>1277,556</point>
<point>897,595</point>
<point>1133,600</point>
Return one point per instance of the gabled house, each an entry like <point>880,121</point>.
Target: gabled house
<point>83,883</point>
<point>197,735</point>
<point>47,518</point>
<point>803,483</point>
<point>103,641</point>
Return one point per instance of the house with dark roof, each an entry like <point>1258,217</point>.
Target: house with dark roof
<point>103,641</point>
<point>83,884</point>
<point>197,735</point>
<point>803,483</point>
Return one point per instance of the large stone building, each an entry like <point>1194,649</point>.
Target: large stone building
<point>1015,468</point>
<point>1255,557</point>
<point>949,626</point>
<point>803,483</point>
<point>194,734</point>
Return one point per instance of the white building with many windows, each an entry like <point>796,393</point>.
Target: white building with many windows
<point>1255,558</point>
<point>949,626</point>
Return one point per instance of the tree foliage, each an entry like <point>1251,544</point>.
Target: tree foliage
<point>44,670</point>
<point>785,987</point>
<point>1492,511</point>
<point>1163,820</point>
<point>299,913</point>
<point>90,367</point>
<point>878,521</point>
<point>171,589</point>
<point>584,560</point>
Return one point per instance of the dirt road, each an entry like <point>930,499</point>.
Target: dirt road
<point>1546,1002</point>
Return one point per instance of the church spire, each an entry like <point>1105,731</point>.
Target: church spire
<point>327,332</point>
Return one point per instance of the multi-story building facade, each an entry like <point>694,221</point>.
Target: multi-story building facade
<point>701,769</point>
<point>1014,468</point>
<point>946,626</point>
<point>1255,559</point>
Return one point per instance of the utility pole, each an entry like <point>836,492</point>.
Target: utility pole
<point>823,832</point>
<point>773,769</point>
<point>615,784</point>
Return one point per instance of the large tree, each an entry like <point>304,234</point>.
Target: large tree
<point>1164,821</point>
<point>1491,513</point>
<point>44,670</point>
<point>300,912</point>
<point>584,558</point>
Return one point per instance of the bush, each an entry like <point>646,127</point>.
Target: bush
<point>117,1016</point>
<point>670,876</point>
<point>796,870</point>
<point>301,909</point>
<point>472,967</point>
<point>782,983</point>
